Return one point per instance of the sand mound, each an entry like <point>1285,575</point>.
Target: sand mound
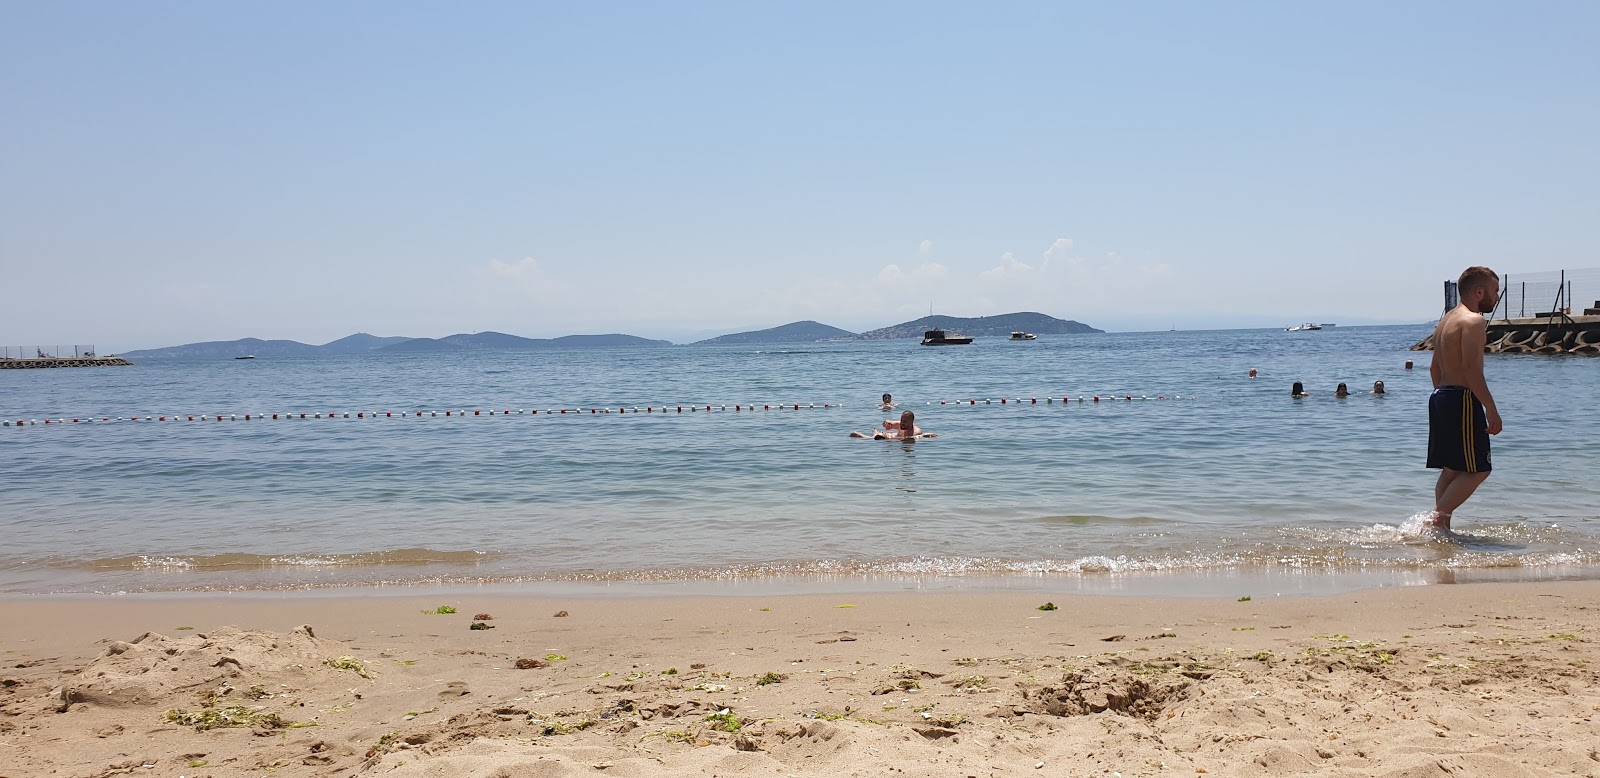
<point>153,668</point>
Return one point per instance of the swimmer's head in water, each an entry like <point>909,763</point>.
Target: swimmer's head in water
<point>1297,390</point>
<point>887,398</point>
<point>908,422</point>
<point>1342,390</point>
<point>1377,387</point>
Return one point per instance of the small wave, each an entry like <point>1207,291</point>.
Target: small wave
<point>240,561</point>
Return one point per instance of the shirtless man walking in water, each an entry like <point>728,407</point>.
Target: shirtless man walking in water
<point>1461,412</point>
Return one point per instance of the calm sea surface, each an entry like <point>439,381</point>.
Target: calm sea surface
<point>1234,478</point>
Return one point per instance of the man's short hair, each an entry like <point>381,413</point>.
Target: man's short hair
<point>1474,277</point>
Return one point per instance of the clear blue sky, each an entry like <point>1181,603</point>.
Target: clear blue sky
<point>174,172</point>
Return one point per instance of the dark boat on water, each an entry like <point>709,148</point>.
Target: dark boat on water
<point>938,337</point>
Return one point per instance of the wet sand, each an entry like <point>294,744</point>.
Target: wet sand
<point>1484,679</point>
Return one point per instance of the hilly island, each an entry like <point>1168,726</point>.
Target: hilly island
<point>795,332</point>
<point>982,326</point>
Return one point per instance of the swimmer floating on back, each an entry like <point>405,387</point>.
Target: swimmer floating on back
<point>904,429</point>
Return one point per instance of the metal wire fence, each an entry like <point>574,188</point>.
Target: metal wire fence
<point>46,352</point>
<point>1553,292</point>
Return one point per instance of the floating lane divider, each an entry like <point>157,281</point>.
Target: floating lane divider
<point>589,411</point>
<point>1080,399</point>
<point>450,413</point>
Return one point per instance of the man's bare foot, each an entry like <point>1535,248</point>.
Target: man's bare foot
<point>1437,520</point>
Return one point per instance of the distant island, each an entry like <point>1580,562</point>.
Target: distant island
<point>794,332</point>
<point>1002,325</point>
<point>362,343</point>
<point>983,326</point>
<point>500,341</point>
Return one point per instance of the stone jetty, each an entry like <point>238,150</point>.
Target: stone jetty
<point>44,362</point>
<point>1555,334</point>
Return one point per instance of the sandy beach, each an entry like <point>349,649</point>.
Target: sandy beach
<point>1484,679</point>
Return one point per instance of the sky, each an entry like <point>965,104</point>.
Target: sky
<point>179,172</point>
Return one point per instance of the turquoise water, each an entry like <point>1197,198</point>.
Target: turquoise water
<point>1233,478</point>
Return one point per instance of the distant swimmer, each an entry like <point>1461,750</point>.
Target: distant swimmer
<point>1377,387</point>
<point>904,429</point>
<point>1252,372</point>
<point>888,402</point>
<point>1342,391</point>
<point>1461,412</point>
<point>1298,391</point>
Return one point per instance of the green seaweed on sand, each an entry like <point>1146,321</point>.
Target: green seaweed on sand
<point>771,678</point>
<point>231,716</point>
<point>1245,598</point>
<point>352,664</point>
<point>181,629</point>
<point>725,721</point>
<point>563,728</point>
<point>555,657</point>
<point>441,610</point>
<point>670,671</point>
<point>1049,606</point>
<point>385,744</point>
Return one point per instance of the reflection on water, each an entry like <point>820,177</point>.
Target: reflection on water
<point>908,470</point>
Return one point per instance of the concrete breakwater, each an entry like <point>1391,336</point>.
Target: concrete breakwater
<point>44,362</point>
<point>1538,335</point>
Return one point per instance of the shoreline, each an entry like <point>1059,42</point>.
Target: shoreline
<point>1178,584</point>
<point>1495,679</point>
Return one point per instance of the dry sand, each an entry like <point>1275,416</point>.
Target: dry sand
<point>1476,680</point>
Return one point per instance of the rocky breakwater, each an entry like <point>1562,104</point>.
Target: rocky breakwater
<point>41,362</point>
<point>1538,335</point>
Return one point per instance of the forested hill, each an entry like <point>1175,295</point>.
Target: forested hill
<point>795,332</point>
<point>983,326</point>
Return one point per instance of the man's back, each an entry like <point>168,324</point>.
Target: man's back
<point>1458,347</point>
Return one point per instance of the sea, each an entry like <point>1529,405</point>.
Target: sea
<point>1143,463</point>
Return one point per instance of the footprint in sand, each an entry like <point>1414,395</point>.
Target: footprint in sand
<point>454,689</point>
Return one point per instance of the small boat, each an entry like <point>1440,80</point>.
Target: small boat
<point>938,337</point>
<point>247,356</point>
<point>1303,327</point>
<point>1019,335</point>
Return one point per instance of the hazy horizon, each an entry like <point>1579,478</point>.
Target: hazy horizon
<point>181,172</point>
<point>693,337</point>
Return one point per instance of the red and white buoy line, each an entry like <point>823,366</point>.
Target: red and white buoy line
<point>1080,399</point>
<point>449,413</point>
<point>673,409</point>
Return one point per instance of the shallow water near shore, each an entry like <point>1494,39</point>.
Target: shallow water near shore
<point>1147,495</point>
